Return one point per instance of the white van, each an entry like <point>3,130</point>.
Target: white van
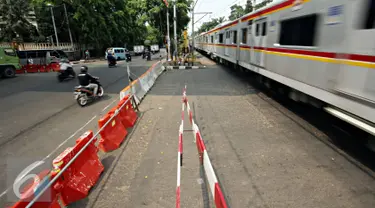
<point>138,49</point>
<point>155,48</point>
<point>118,53</point>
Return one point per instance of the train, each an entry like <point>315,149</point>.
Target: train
<point>322,52</point>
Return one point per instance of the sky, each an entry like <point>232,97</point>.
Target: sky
<point>219,8</point>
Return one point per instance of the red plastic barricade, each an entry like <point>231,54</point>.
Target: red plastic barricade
<point>43,68</point>
<point>20,71</point>
<point>113,134</point>
<point>50,198</point>
<point>127,114</point>
<point>53,67</point>
<point>74,184</point>
<point>31,68</point>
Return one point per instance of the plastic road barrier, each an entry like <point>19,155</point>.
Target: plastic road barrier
<point>113,134</point>
<point>127,114</point>
<point>82,174</point>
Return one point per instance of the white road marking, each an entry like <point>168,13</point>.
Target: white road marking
<point>71,136</point>
<point>105,108</point>
<point>4,192</point>
<point>60,145</point>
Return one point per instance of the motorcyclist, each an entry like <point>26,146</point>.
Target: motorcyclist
<point>110,57</point>
<point>86,80</point>
<point>64,67</point>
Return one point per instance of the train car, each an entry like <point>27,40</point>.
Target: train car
<point>322,51</point>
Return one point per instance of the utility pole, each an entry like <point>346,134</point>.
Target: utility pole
<point>168,37</point>
<point>192,33</point>
<point>54,26</point>
<point>192,29</point>
<point>70,33</point>
<point>175,28</point>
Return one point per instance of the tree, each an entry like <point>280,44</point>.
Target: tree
<point>249,6</point>
<point>99,23</point>
<point>210,24</point>
<point>237,11</point>
<point>14,18</point>
<point>155,13</point>
<point>262,4</point>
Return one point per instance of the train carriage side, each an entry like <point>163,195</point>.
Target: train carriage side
<point>311,49</point>
<point>323,49</point>
<point>227,42</point>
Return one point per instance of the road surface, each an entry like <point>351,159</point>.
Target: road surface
<point>40,118</point>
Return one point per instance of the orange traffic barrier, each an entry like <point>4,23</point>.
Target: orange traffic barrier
<point>127,114</point>
<point>31,68</point>
<point>20,71</point>
<point>43,68</point>
<point>77,180</point>
<point>54,67</point>
<point>49,199</point>
<point>113,134</point>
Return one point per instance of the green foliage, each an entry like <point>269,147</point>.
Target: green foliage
<point>249,7</point>
<point>210,24</point>
<point>237,11</point>
<point>262,4</point>
<point>101,23</point>
<point>14,21</point>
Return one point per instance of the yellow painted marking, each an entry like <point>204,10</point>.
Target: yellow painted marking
<point>317,58</point>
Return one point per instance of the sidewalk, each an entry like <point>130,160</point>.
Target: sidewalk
<point>144,174</point>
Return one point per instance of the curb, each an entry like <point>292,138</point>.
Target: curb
<point>185,67</point>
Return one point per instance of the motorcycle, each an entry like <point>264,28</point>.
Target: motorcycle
<point>66,71</point>
<point>147,55</point>
<point>112,61</point>
<point>83,95</point>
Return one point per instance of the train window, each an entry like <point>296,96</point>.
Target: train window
<point>212,39</point>
<point>221,38</point>
<point>235,36</point>
<point>264,29</point>
<point>369,21</point>
<point>299,31</point>
<point>244,36</point>
<point>257,30</point>
<point>227,35</point>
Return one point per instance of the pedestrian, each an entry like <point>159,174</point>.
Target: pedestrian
<point>87,54</point>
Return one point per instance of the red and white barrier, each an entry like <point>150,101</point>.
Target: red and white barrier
<point>179,157</point>
<point>215,188</point>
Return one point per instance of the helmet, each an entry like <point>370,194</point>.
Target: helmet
<point>84,69</point>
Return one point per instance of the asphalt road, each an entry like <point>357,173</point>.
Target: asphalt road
<point>40,118</point>
<point>266,151</point>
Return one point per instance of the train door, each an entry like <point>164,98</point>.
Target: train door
<point>227,42</point>
<point>251,41</point>
<point>216,41</point>
<point>357,79</point>
<point>260,41</point>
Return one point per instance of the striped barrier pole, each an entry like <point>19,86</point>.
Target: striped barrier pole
<point>179,157</point>
<point>214,185</point>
